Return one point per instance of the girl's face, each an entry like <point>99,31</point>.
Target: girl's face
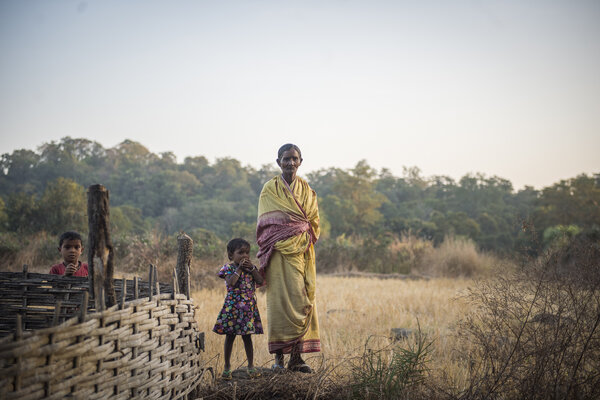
<point>239,255</point>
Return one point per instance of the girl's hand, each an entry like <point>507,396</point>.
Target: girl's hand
<point>246,265</point>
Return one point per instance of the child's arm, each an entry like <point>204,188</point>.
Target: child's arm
<point>249,268</point>
<point>256,275</point>
<point>232,279</point>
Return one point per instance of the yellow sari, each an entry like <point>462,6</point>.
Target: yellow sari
<point>288,227</point>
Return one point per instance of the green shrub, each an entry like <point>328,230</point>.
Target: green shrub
<point>391,372</point>
<point>560,235</point>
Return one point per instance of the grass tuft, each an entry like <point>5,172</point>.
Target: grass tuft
<point>391,372</point>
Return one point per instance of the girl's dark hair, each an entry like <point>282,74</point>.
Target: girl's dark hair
<point>69,235</point>
<point>286,147</point>
<point>234,244</point>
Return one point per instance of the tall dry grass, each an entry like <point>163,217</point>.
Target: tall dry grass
<point>38,251</point>
<point>354,311</point>
<point>459,257</point>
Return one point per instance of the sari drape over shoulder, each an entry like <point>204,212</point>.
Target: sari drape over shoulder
<point>287,229</point>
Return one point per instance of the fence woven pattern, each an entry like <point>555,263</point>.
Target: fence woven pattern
<point>148,349</point>
<point>35,297</point>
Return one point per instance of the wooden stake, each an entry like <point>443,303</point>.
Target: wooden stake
<point>156,283</point>
<point>185,246</point>
<point>56,318</point>
<point>150,281</point>
<point>84,305</point>
<point>175,283</point>
<point>187,286</point>
<point>99,243</point>
<point>123,293</point>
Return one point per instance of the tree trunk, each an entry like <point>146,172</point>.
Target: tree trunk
<point>184,261</point>
<point>100,249</point>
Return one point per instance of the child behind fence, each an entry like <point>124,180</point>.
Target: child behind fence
<point>70,247</point>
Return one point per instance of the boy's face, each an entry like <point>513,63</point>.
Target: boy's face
<point>239,254</point>
<point>71,250</point>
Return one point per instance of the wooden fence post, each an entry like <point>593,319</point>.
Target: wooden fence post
<point>100,253</point>
<point>185,246</point>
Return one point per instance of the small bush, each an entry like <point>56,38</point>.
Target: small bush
<point>391,372</point>
<point>457,257</point>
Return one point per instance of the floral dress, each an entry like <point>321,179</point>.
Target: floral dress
<point>239,315</point>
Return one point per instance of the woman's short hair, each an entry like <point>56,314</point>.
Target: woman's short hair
<point>286,147</point>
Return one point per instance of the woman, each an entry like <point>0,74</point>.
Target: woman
<point>287,229</point>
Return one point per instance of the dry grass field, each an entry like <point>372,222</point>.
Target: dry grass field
<point>353,310</point>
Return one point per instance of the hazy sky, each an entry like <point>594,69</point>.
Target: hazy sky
<point>507,88</point>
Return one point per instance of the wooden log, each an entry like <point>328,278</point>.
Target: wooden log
<point>99,243</point>
<point>185,246</point>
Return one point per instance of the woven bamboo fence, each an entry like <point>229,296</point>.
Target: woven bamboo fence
<point>45,300</point>
<point>143,348</point>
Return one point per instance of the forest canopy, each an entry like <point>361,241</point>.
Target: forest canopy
<point>44,190</point>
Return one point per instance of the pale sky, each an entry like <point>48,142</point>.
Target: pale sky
<point>508,88</point>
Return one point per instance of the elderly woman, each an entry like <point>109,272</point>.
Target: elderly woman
<point>287,229</point>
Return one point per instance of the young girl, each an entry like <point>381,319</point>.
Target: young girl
<point>239,315</point>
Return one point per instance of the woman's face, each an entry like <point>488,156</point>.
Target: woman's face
<point>289,162</point>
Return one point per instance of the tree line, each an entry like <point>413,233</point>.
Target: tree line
<point>44,190</point>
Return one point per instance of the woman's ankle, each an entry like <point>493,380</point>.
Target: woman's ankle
<point>296,361</point>
<point>279,359</point>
